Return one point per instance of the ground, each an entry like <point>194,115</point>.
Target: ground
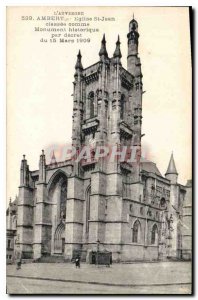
<point>136,278</point>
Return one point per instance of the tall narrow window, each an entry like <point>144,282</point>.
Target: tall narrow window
<point>91,104</point>
<point>9,244</point>
<point>162,202</point>
<point>136,232</point>
<point>154,235</point>
<point>122,105</point>
<point>63,200</point>
<point>88,209</point>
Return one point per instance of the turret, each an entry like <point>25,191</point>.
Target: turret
<point>171,172</point>
<point>42,166</point>
<point>134,67</point>
<point>77,101</point>
<point>133,62</point>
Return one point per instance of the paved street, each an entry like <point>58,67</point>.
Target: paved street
<point>137,278</point>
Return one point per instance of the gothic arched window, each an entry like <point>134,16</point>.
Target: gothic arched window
<point>91,104</point>
<point>154,235</point>
<point>136,232</point>
<point>122,106</point>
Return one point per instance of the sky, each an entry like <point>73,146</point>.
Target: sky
<point>40,76</point>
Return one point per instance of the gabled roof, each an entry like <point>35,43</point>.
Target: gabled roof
<point>150,167</point>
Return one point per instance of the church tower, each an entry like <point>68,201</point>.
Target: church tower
<point>134,67</point>
<point>107,112</point>
<point>108,99</point>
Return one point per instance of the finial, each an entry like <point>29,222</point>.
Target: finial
<point>103,39</point>
<point>24,156</point>
<point>42,152</point>
<point>133,16</point>
<point>10,199</point>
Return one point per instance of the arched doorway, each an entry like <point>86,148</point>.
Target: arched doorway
<point>59,239</point>
<point>58,198</point>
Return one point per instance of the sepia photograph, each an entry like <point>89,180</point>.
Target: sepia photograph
<point>99,150</point>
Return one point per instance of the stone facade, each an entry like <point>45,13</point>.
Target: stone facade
<point>11,225</point>
<point>129,208</point>
<point>186,248</point>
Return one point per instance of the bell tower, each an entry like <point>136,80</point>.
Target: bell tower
<point>134,67</point>
<point>133,40</point>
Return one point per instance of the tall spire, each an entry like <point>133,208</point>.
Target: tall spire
<point>117,52</point>
<point>78,65</point>
<point>103,50</point>
<point>171,167</point>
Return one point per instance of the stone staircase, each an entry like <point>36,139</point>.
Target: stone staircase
<point>51,259</point>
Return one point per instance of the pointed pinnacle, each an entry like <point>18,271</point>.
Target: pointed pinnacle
<point>79,53</point>
<point>117,52</point>
<point>171,167</point>
<point>79,63</point>
<point>103,50</point>
<point>53,158</point>
<point>133,16</point>
<point>53,155</point>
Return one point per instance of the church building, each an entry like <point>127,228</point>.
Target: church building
<point>125,207</point>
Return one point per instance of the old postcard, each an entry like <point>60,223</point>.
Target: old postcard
<point>99,180</point>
